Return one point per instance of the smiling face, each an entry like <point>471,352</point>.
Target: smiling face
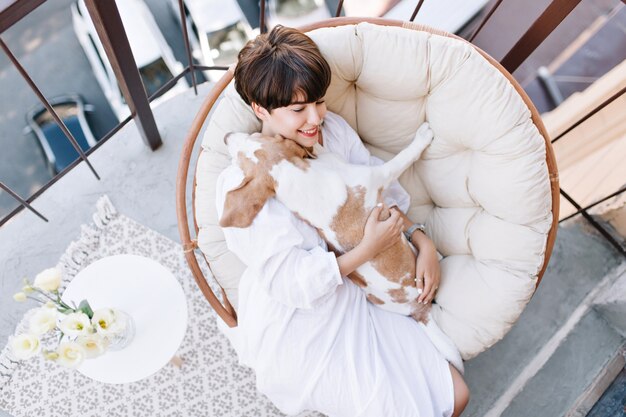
<point>284,77</point>
<point>298,121</point>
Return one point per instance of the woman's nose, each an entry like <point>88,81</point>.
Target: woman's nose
<point>314,115</point>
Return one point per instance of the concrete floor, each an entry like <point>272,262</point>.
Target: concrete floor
<point>139,182</point>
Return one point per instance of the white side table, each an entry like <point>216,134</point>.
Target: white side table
<point>152,296</point>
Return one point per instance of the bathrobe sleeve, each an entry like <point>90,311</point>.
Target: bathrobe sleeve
<point>287,256</point>
<point>394,194</point>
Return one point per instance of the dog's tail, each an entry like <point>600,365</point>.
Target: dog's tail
<point>444,344</point>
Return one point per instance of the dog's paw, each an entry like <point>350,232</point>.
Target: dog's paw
<point>424,135</point>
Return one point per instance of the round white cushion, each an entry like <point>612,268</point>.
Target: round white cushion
<point>482,188</point>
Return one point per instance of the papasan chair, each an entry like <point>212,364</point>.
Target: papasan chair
<point>486,188</point>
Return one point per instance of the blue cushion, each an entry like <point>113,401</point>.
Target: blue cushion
<point>61,147</point>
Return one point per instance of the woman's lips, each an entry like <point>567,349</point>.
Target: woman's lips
<point>309,133</point>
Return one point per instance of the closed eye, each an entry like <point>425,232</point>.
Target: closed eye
<point>299,109</point>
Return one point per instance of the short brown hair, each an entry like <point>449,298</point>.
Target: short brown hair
<point>275,67</point>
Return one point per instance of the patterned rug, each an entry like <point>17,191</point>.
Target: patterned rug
<point>209,382</point>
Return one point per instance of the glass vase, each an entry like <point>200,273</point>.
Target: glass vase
<point>124,334</point>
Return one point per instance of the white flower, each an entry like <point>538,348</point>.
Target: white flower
<point>71,354</point>
<point>106,322</point>
<point>93,344</point>
<point>19,297</point>
<point>48,279</point>
<point>25,346</point>
<point>43,320</point>
<point>75,324</point>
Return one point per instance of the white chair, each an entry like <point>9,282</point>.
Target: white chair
<point>486,188</point>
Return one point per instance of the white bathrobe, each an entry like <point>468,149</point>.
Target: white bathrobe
<point>310,335</point>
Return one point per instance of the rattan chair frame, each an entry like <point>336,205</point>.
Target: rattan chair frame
<point>226,310</point>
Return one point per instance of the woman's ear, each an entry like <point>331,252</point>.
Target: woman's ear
<point>260,112</point>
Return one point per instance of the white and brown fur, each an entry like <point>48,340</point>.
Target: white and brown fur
<point>336,198</point>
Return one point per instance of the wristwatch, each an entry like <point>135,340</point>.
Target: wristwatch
<point>415,226</point>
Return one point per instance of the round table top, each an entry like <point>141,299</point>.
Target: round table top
<point>152,296</point>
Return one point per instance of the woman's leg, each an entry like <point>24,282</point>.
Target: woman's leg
<point>461,392</point>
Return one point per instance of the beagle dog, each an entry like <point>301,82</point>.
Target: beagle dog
<point>336,198</point>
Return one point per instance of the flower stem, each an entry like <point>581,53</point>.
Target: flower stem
<point>62,304</point>
<point>57,301</point>
<point>43,293</point>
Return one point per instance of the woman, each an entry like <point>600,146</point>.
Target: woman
<point>312,338</point>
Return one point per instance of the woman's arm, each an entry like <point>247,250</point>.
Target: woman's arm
<point>427,266</point>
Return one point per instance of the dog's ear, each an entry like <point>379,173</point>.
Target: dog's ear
<point>244,202</point>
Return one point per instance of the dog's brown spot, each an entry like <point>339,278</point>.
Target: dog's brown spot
<point>358,279</point>
<point>420,312</point>
<point>349,222</point>
<point>276,149</point>
<point>396,262</point>
<point>244,202</point>
<point>398,295</point>
<point>408,281</point>
<point>375,300</point>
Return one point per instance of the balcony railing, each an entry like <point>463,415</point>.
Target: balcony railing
<point>108,23</point>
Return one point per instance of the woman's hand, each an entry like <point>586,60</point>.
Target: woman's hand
<point>427,270</point>
<point>377,236</point>
<point>381,235</point>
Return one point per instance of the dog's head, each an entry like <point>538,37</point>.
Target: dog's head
<point>256,155</point>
